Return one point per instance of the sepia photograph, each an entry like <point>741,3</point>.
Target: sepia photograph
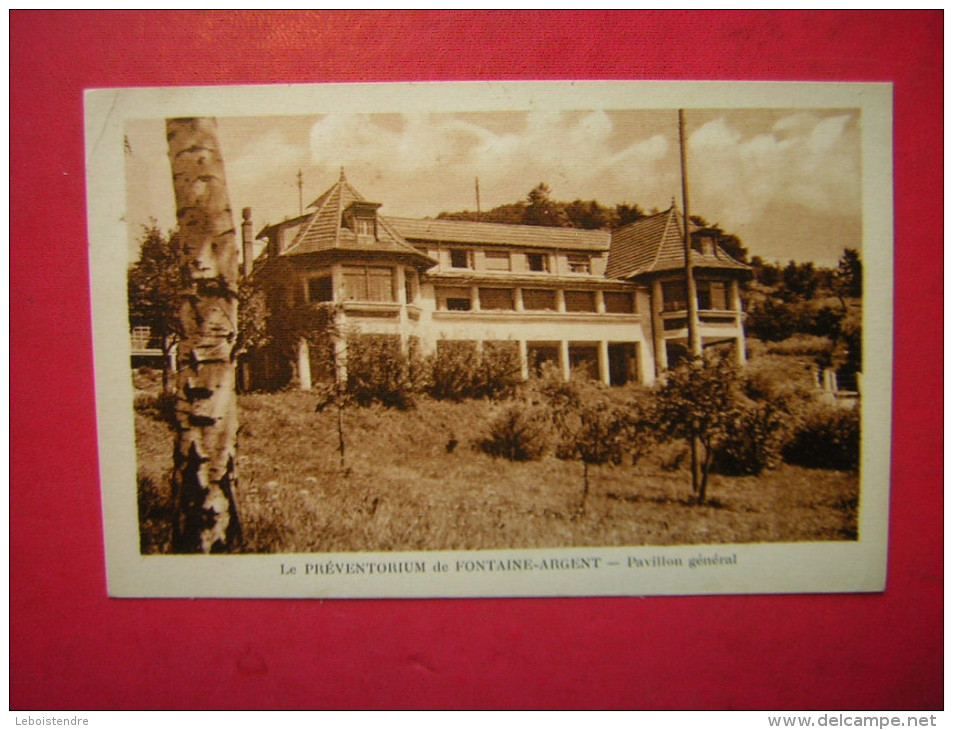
<point>493,339</point>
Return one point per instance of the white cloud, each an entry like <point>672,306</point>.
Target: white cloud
<point>806,160</point>
<point>427,162</point>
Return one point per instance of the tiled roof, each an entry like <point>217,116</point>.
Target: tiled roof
<point>323,230</point>
<point>655,244</point>
<point>501,234</point>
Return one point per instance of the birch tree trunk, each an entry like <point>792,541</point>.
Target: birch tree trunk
<point>203,478</point>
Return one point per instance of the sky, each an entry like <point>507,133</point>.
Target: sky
<point>787,182</point>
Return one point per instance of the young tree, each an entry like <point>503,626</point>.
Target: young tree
<point>700,400</point>
<point>542,210</point>
<point>204,477</point>
<point>153,284</point>
<point>602,433</point>
<point>848,279</point>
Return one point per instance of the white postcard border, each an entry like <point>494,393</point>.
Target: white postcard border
<point>749,568</point>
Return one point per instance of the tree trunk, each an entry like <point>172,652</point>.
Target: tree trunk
<point>203,477</point>
<point>693,442</point>
<point>706,467</point>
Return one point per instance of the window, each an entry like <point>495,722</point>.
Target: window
<point>619,302</point>
<point>453,299</point>
<point>497,260</point>
<point>539,299</point>
<point>364,227</point>
<point>459,258</point>
<point>410,285</point>
<point>579,264</point>
<point>320,289</point>
<point>369,284</point>
<point>711,295</point>
<point>580,301</point>
<point>673,296</point>
<point>496,299</point>
<point>537,261</point>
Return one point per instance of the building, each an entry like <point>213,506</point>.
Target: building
<point>613,303</point>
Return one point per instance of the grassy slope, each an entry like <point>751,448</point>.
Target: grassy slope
<point>403,490</point>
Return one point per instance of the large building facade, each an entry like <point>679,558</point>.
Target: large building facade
<point>612,303</point>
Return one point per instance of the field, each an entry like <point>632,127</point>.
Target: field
<point>413,480</point>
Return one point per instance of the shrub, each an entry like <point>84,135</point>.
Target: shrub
<point>604,433</point>
<point>452,368</point>
<point>827,438</point>
<point>755,442</point>
<point>500,371</point>
<point>379,371</point>
<point>519,433</point>
<point>802,344</point>
<point>458,370</point>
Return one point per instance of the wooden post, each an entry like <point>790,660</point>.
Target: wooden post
<point>691,295</point>
<point>204,478</point>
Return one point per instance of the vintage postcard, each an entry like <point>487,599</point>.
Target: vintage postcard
<point>492,339</point>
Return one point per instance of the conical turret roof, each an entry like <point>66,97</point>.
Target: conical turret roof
<point>325,229</point>
<point>654,244</point>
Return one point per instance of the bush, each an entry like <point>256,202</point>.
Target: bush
<point>458,370</point>
<point>379,371</point>
<point>519,433</point>
<point>801,344</point>
<point>500,371</point>
<point>453,372</point>
<point>604,433</point>
<point>755,441</point>
<point>827,438</point>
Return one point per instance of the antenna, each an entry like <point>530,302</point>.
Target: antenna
<point>300,194</point>
<point>478,196</point>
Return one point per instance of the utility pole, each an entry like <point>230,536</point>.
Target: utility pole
<point>300,194</point>
<point>691,295</point>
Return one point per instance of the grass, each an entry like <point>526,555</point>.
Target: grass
<point>413,480</point>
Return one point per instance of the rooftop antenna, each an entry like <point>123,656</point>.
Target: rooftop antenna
<point>300,194</point>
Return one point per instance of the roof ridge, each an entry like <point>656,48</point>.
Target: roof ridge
<point>658,250</point>
<point>398,238</point>
<point>502,225</point>
<point>302,231</point>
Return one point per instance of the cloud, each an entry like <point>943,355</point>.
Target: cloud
<point>806,161</point>
<point>425,163</point>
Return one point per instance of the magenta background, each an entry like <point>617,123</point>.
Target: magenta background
<point>73,648</point>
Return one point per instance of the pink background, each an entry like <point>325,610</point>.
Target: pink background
<point>74,648</point>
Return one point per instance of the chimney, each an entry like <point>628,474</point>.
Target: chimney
<point>248,239</point>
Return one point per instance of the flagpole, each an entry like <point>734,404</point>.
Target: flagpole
<point>691,295</point>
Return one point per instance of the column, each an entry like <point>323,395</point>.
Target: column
<point>524,360</point>
<point>600,302</point>
<point>603,359</point>
<point>337,283</point>
<point>560,300</point>
<point>475,298</point>
<point>400,283</point>
<point>645,364</point>
<point>735,304</point>
<point>518,299</point>
<point>658,329</point>
<point>304,365</point>
<point>564,359</point>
